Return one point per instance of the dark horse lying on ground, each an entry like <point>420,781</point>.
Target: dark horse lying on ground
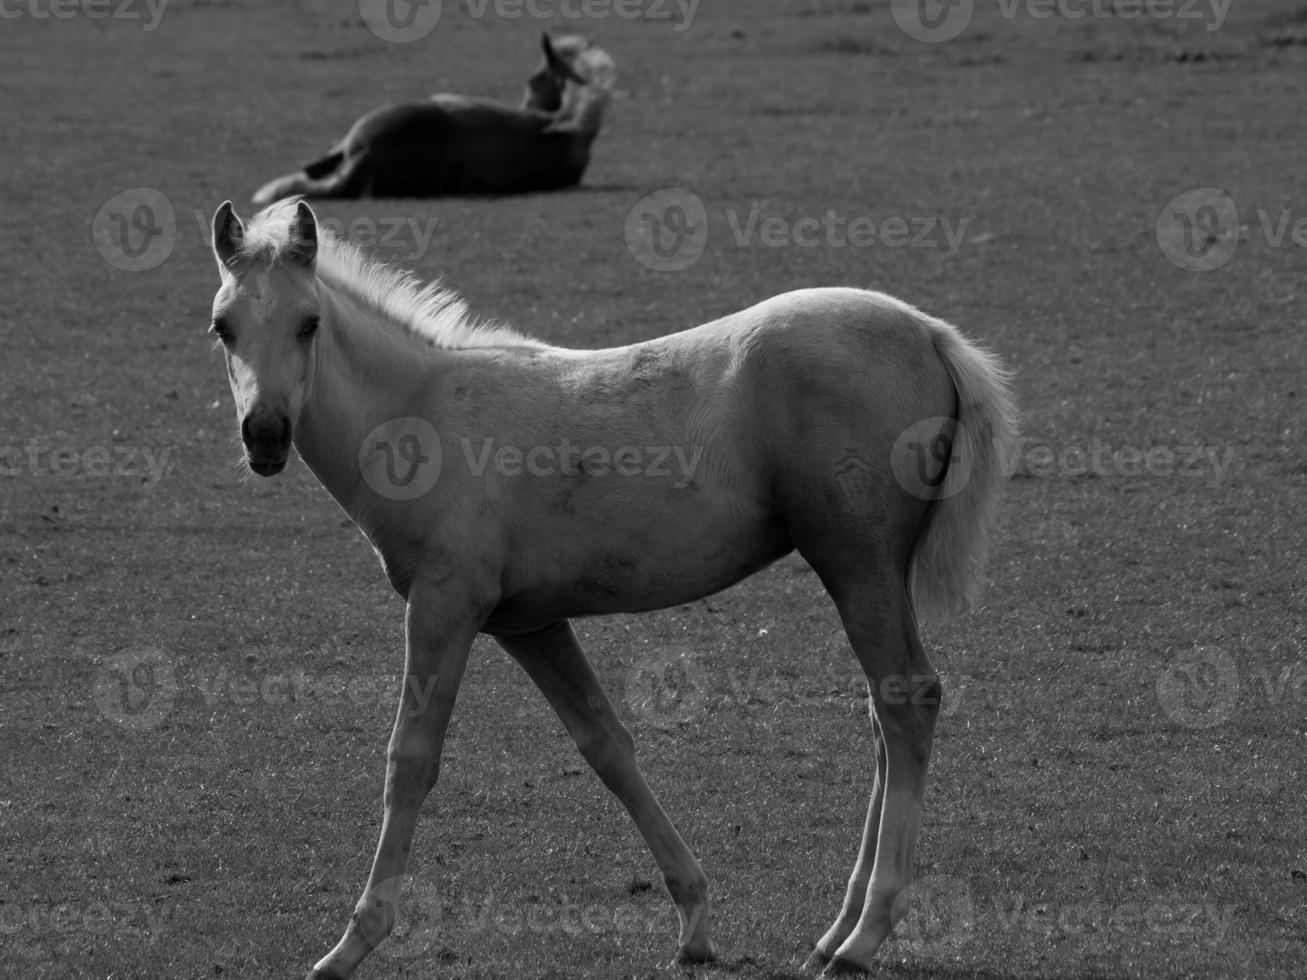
<point>455,144</point>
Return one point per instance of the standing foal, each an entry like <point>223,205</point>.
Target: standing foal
<point>838,422</point>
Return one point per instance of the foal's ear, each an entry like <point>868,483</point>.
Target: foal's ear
<point>303,246</point>
<point>557,63</point>
<point>228,234</point>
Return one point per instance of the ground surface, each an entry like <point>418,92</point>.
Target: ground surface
<point>1117,787</point>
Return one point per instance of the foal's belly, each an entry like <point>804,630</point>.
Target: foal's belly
<point>611,571</point>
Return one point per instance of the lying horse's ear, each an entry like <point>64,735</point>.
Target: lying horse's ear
<point>228,234</point>
<point>303,247</point>
<point>557,63</point>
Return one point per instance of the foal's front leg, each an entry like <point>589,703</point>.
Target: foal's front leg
<point>440,633</point>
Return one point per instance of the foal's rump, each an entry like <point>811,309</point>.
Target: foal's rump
<point>877,414</point>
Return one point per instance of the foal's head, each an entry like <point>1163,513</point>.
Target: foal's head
<point>546,87</point>
<point>265,315</point>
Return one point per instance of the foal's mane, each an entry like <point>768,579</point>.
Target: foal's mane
<point>429,311</point>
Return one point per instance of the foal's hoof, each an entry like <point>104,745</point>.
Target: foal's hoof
<point>815,962</point>
<point>697,952</point>
<point>840,967</point>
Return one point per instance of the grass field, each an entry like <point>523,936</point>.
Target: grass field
<point>197,667</point>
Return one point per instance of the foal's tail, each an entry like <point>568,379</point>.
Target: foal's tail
<point>949,556</point>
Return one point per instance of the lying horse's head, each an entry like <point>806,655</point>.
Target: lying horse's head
<point>265,314</point>
<point>568,60</point>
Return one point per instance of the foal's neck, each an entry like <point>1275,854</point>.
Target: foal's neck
<point>364,374</point>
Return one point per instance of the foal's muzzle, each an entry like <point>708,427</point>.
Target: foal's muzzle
<point>266,436</point>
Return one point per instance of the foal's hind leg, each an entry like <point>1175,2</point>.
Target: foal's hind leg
<point>554,660</point>
<point>855,895</point>
<point>878,618</point>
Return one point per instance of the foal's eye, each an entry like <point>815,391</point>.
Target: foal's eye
<point>222,331</point>
<point>308,328</point>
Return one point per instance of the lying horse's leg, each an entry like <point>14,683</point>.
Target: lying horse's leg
<point>349,179</point>
<point>285,186</point>
<point>440,634</point>
<point>325,165</point>
<point>555,662</point>
<point>855,895</point>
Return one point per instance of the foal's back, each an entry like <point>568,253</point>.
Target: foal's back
<point>733,434</point>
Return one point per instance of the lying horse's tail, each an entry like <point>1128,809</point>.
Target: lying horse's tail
<point>304,182</point>
<point>949,556</point>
